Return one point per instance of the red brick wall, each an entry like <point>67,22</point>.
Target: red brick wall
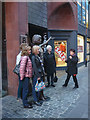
<point>62,15</point>
<point>16,24</point>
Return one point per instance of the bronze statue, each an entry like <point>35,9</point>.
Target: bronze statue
<point>37,39</point>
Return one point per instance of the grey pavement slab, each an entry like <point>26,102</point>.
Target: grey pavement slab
<point>63,103</point>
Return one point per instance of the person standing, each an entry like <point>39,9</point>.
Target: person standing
<point>49,65</point>
<point>37,73</point>
<point>25,74</point>
<point>18,59</point>
<point>72,68</point>
<point>86,62</point>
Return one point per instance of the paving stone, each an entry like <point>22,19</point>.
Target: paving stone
<point>62,100</point>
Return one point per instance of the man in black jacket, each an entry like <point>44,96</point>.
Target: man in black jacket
<point>72,68</point>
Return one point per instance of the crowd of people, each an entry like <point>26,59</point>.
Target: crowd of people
<point>32,67</point>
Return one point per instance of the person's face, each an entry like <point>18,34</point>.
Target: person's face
<point>29,51</point>
<point>71,53</point>
<point>37,51</point>
<point>50,49</point>
<point>39,40</point>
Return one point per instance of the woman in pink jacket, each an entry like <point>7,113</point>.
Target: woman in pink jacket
<point>25,74</point>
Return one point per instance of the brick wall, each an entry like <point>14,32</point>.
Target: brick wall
<point>16,24</point>
<point>62,15</point>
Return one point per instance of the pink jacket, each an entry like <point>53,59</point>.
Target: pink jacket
<point>25,67</point>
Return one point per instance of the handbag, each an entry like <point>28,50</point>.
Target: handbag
<point>55,79</point>
<point>17,69</point>
<point>39,86</point>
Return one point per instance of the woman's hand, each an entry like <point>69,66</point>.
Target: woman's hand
<point>70,57</point>
<point>38,78</point>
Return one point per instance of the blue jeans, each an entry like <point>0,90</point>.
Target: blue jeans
<point>25,82</point>
<point>20,86</point>
<point>35,94</point>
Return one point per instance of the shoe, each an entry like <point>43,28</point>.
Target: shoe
<point>53,85</point>
<point>76,87</point>
<point>41,101</point>
<point>29,106</point>
<point>64,85</point>
<point>19,99</point>
<point>46,98</point>
<point>48,86</point>
<point>38,104</point>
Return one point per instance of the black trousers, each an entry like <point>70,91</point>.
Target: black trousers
<point>48,79</point>
<point>74,79</point>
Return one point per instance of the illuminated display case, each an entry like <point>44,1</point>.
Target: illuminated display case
<point>80,45</point>
<point>88,49</point>
<point>60,53</point>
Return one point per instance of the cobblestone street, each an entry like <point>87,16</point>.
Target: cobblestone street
<point>62,103</point>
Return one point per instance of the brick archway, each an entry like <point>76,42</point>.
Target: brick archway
<point>62,16</point>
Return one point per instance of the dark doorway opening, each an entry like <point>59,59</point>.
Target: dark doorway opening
<point>34,29</point>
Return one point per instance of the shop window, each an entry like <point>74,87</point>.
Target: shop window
<point>80,42</point>
<point>88,39</point>
<point>60,53</point>
<point>88,49</point>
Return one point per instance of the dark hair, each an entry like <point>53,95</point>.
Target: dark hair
<point>72,50</point>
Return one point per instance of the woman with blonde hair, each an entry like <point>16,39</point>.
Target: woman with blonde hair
<point>18,59</point>
<point>25,74</point>
<point>37,72</point>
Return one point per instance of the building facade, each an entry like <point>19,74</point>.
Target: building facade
<point>67,22</point>
<point>19,19</point>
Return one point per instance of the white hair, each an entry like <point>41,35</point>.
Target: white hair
<point>49,46</point>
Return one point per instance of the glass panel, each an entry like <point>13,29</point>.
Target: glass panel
<point>88,39</point>
<point>83,13</point>
<point>88,45</point>
<point>88,48</point>
<point>80,41</point>
<point>60,53</point>
<point>88,57</point>
<point>79,11</point>
<point>87,13</point>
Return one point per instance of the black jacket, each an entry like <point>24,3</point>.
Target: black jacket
<point>72,65</point>
<point>49,63</point>
<point>37,67</point>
